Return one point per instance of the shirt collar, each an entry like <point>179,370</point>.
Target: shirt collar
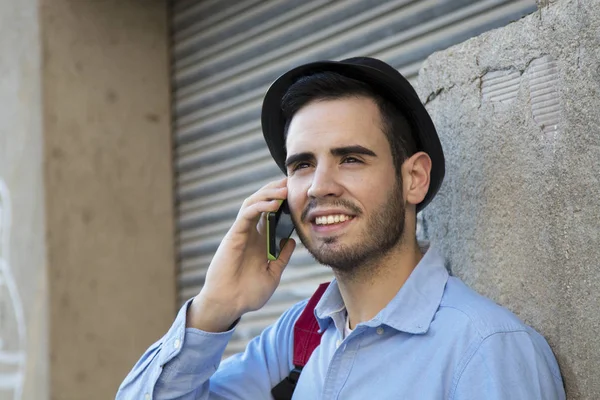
<point>411,310</point>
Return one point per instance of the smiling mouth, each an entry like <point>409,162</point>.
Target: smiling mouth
<point>332,219</point>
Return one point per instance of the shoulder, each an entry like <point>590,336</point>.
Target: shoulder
<point>498,344</point>
<point>286,321</point>
<point>291,315</point>
<point>273,343</point>
<point>483,327</point>
<point>252,330</point>
<point>479,314</point>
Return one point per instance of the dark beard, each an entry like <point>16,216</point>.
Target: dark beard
<point>383,232</point>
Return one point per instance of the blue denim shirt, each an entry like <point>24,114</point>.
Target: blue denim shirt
<point>436,339</point>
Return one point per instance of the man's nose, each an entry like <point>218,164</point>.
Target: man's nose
<point>324,183</point>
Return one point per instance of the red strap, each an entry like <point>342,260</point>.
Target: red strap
<point>306,329</point>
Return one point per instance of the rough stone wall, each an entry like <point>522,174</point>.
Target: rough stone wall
<point>23,286</point>
<point>518,215</point>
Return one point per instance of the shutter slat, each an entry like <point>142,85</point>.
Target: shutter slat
<point>205,14</point>
<point>303,32</point>
<point>242,28</point>
<point>328,43</point>
<point>237,193</point>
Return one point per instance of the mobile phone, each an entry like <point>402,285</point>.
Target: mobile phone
<point>279,229</point>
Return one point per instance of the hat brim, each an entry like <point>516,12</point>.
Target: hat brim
<point>393,87</point>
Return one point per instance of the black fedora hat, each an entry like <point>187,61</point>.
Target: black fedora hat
<point>386,81</point>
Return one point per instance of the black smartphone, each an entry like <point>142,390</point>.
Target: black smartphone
<point>279,229</point>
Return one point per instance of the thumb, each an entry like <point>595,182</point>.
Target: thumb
<point>284,257</point>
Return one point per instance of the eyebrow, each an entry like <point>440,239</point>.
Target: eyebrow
<point>336,151</point>
<point>356,149</point>
<point>294,158</point>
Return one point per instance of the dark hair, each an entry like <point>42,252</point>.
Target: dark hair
<point>331,86</point>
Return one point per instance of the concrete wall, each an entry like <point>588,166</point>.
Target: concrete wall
<point>23,286</point>
<point>109,184</point>
<point>518,215</point>
<point>86,228</point>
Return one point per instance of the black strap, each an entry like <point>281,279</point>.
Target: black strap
<point>285,389</point>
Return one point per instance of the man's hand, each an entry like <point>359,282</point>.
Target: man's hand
<point>240,278</point>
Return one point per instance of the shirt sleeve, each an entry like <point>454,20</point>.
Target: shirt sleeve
<point>186,363</point>
<point>510,365</point>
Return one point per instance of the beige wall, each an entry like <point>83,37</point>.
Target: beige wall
<point>87,276</point>
<point>23,347</point>
<point>106,102</point>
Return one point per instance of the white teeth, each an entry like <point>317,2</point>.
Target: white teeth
<point>332,219</point>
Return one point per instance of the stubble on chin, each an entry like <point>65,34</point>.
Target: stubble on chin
<point>360,259</point>
<point>348,262</point>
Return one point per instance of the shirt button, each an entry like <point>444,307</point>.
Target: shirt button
<point>177,343</point>
<point>337,343</point>
<point>379,330</point>
<point>147,396</point>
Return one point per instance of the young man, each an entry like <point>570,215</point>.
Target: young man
<point>361,157</point>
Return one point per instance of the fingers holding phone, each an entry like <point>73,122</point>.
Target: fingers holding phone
<point>266,199</point>
<point>279,229</point>
<point>240,277</point>
<point>287,249</point>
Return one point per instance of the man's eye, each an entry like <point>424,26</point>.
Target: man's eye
<point>351,160</point>
<point>300,165</point>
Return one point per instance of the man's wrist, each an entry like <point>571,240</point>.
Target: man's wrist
<point>209,318</point>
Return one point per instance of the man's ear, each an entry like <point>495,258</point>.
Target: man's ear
<point>416,171</point>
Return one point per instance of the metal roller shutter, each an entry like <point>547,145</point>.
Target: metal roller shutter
<point>226,53</point>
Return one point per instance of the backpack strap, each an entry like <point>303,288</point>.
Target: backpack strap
<point>306,330</point>
<point>306,339</point>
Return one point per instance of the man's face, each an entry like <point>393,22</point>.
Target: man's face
<point>343,191</point>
